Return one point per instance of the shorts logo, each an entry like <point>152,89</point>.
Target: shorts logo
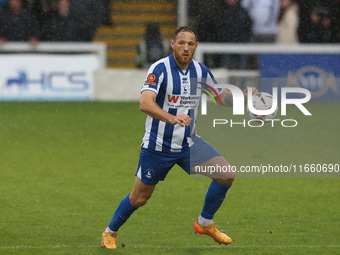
<point>151,80</point>
<point>148,175</point>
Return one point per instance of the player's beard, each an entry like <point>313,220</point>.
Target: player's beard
<point>181,60</point>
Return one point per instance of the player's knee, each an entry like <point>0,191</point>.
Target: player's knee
<point>227,180</point>
<point>141,200</point>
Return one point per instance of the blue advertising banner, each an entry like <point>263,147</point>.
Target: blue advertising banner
<point>320,74</point>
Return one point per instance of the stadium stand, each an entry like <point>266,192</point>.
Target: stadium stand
<point>130,19</point>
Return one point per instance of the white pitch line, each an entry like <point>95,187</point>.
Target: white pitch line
<point>173,247</point>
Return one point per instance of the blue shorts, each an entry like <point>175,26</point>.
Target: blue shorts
<point>153,165</point>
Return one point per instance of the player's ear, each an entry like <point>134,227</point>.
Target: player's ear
<point>172,42</point>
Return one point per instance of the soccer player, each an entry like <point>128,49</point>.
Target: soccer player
<point>170,137</point>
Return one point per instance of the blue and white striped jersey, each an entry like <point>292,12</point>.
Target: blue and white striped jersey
<point>177,92</point>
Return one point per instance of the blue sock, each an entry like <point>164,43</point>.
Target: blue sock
<point>213,199</point>
<point>122,213</point>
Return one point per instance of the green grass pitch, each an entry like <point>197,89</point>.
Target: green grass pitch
<point>64,167</point>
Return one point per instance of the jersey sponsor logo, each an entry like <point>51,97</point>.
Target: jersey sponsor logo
<point>191,101</point>
<point>173,99</point>
<point>150,80</point>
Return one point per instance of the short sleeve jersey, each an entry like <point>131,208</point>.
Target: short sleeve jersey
<point>177,92</point>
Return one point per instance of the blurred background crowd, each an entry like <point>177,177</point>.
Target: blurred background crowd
<point>52,20</point>
<point>230,21</point>
<point>283,21</point>
<point>265,21</point>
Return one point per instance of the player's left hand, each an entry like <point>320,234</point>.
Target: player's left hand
<point>245,93</point>
<point>181,119</point>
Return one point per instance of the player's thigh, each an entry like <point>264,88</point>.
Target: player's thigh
<point>216,168</point>
<point>206,160</point>
<point>201,152</point>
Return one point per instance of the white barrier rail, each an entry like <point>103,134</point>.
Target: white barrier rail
<point>251,48</point>
<point>58,47</point>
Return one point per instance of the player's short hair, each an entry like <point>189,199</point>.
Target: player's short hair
<point>185,29</point>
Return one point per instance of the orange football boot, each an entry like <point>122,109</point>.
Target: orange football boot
<point>109,240</point>
<point>213,232</point>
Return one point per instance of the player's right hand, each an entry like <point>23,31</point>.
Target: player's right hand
<point>181,119</point>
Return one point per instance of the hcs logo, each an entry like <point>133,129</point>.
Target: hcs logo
<point>49,81</point>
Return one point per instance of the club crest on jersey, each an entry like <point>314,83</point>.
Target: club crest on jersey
<point>150,80</point>
<point>185,86</point>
